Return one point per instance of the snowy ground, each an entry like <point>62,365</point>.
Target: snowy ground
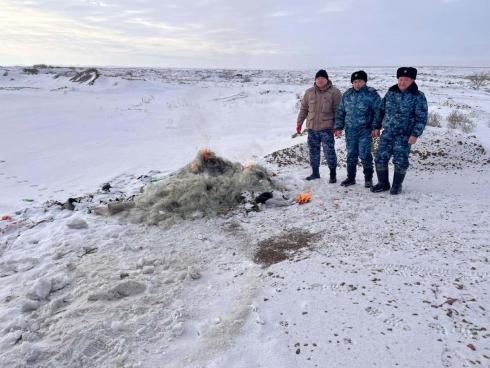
<point>366,281</point>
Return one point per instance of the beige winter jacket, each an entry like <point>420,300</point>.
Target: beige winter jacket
<point>318,107</point>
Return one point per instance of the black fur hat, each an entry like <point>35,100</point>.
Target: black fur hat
<point>361,74</point>
<point>321,73</point>
<point>406,71</point>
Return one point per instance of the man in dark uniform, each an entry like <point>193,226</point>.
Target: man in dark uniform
<point>404,110</point>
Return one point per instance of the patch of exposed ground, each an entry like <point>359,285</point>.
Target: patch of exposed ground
<point>284,246</point>
<point>436,149</point>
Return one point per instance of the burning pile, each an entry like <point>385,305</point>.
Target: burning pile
<point>209,185</point>
<point>303,198</point>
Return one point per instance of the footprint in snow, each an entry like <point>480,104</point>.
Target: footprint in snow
<point>451,359</point>
<point>373,311</point>
<point>394,321</point>
<point>438,328</point>
<point>95,347</point>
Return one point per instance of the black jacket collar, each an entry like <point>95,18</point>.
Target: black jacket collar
<point>413,89</point>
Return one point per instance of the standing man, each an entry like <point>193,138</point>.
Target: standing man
<point>405,113</point>
<point>358,110</point>
<point>318,107</point>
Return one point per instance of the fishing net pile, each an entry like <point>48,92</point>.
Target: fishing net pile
<point>209,185</point>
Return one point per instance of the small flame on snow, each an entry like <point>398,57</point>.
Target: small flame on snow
<point>303,198</point>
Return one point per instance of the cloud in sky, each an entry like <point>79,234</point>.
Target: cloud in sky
<point>334,6</point>
<point>252,33</point>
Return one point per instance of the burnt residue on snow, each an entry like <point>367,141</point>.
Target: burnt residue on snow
<point>284,246</point>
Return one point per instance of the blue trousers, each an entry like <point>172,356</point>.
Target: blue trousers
<point>359,143</point>
<point>396,145</point>
<point>324,138</point>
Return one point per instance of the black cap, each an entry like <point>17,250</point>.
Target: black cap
<point>361,74</point>
<point>321,73</point>
<point>406,71</point>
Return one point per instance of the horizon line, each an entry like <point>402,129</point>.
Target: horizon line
<point>228,68</point>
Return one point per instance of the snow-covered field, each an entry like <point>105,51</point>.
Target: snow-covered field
<point>365,280</point>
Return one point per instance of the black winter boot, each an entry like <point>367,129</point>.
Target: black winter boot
<point>368,178</point>
<point>315,174</point>
<point>351,177</point>
<point>396,188</point>
<point>383,181</point>
<point>333,176</point>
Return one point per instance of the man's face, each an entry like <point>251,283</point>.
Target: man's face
<point>358,84</point>
<point>321,82</point>
<point>404,83</point>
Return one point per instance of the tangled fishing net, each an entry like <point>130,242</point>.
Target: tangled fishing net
<point>207,186</point>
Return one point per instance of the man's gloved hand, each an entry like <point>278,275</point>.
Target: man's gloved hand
<point>337,133</point>
<point>298,129</point>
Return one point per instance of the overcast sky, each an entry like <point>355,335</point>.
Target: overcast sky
<point>245,34</point>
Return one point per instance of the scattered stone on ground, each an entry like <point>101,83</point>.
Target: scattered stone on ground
<point>77,223</point>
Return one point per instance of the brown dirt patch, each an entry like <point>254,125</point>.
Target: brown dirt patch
<point>283,247</point>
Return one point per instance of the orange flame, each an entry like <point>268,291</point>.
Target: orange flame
<point>303,198</point>
<point>205,153</point>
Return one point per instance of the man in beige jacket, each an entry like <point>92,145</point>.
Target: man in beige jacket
<point>318,107</point>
